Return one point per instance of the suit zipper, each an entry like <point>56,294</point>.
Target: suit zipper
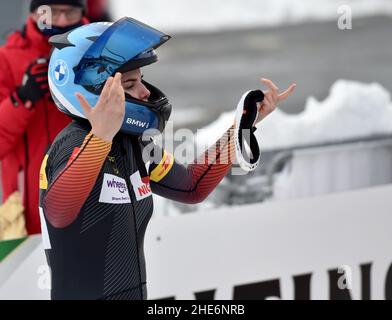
<point>127,180</point>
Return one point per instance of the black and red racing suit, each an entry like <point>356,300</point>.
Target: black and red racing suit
<point>95,204</point>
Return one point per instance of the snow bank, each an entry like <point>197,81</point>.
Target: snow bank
<point>352,110</point>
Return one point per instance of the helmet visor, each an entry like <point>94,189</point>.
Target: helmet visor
<point>126,44</point>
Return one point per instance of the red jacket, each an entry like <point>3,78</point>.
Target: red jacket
<point>25,135</point>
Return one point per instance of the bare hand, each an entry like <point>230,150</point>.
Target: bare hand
<point>107,116</point>
<point>272,98</point>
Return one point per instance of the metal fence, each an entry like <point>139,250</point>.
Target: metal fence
<point>306,171</point>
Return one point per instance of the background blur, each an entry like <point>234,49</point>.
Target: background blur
<point>220,49</point>
<point>328,148</point>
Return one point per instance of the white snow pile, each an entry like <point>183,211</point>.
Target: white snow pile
<point>352,110</point>
<point>209,15</point>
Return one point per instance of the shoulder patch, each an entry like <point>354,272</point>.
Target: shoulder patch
<point>163,168</point>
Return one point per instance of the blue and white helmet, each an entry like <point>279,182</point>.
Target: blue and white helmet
<point>84,58</point>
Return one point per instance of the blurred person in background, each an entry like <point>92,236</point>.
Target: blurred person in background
<point>29,119</point>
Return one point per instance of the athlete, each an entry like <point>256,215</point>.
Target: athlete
<point>96,185</point>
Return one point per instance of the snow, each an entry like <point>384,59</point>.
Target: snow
<point>352,110</point>
<point>210,15</point>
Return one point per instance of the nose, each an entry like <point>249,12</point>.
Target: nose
<point>144,93</point>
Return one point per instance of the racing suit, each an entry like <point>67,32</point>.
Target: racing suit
<point>96,202</point>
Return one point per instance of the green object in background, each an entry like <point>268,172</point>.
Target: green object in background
<point>6,247</point>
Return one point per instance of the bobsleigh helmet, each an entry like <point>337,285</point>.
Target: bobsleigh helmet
<point>84,58</point>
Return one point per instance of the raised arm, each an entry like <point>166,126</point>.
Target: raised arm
<point>74,168</point>
<point>192,184</point>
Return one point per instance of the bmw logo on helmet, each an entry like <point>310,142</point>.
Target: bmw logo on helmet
<point>60,72</point>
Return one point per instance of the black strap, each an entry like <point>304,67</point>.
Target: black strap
<point>247,121</point>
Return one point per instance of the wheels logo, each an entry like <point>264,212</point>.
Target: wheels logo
<point>60,73</point>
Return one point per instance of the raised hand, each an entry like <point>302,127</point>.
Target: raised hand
<point>107,116</point>
<point>272,98</point>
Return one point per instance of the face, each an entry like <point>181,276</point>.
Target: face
<point>62,15</point>
<point>132,84</point>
